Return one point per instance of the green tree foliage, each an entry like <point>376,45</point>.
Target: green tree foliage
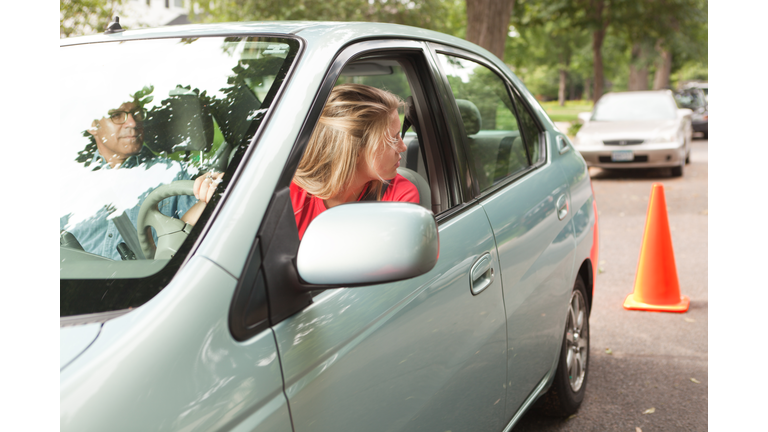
<point>80,17</point>
<point>553,46</point>
<point>655,30</point>
<point>609,43</point>
<point>437,15</point>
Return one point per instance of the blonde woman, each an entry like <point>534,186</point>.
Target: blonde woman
<point>353,154</point>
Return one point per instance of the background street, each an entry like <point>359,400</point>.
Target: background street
<point>655,375</point>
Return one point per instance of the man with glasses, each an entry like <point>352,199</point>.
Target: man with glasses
<point>119,135</point>
<point>117,143</point>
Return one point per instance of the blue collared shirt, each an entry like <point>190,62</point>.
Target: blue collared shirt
<point>98,234</point>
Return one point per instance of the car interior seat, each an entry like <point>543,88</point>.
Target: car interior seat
<point>182,123</point>
<point>470,117</point>
<point>234,116</point>
<point>511,157</point>
<point>495,153</point>
<point>425,194</point>
<point>414,169</point>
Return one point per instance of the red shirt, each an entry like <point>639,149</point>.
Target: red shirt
<point>306,207</point>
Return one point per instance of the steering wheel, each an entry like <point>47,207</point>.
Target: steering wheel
<point>171,232</point>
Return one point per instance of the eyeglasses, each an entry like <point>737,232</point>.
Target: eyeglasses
<point>120,117</point>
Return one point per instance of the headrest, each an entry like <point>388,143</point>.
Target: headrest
<point>470,115</point>
<point>182,122</point>
<point>235,113</point>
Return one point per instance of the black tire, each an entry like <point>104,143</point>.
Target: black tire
<point>688,158</point>
<point>562,399</point>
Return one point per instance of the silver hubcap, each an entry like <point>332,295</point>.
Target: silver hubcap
<point>576,341</point>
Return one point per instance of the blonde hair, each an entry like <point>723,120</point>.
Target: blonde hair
<point>354,123</point>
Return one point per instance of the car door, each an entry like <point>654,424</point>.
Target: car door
<point>526,200</point>
<point>420,354</point>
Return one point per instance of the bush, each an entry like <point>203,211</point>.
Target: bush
<point>574,129</point>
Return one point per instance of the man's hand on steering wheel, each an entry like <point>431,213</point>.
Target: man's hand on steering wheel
<point>204,187</point>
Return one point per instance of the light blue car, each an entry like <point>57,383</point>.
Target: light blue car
<point>459,313</point>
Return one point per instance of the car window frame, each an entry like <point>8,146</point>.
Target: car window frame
<point>274,250</point>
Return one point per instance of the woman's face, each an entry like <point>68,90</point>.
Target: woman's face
<point>388,159</point>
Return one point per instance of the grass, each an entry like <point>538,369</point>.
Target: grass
<point>567,113</point>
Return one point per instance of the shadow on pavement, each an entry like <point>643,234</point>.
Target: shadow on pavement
<point>631,173</point>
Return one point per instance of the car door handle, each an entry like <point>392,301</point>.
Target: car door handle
<point>562,207</point>
<point>482,274</point>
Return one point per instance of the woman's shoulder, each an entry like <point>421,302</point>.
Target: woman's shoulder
<point>401,189</point>
<point>401,181</point>
<point>297,193</point>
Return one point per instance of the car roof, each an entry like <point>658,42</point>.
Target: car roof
<point>316,32</point>
<point>328,36</point>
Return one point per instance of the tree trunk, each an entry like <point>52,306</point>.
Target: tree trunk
<point>597,45</point>
<point>488,24</point>
<point>561,90</point>
<point>598,36</point>
<point>638,69</point>
<point>663,68</point>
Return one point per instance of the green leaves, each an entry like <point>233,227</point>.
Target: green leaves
<point>437,15</point>
<point>80,17</point>
<point>143,97</point>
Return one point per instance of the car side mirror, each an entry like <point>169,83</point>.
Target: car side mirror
<point>684,112</point>
<point>584,117</point>
<point>368,243</point>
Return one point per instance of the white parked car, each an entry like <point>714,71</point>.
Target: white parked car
<point>642,129</point>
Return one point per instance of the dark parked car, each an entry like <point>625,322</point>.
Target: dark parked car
<point>695,99</point>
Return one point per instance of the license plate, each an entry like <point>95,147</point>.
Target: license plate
<point>623,156</point>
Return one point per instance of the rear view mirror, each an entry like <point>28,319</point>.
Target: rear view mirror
<point>368,243</point>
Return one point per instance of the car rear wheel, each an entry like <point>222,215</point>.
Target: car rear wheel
<point>567,392</point>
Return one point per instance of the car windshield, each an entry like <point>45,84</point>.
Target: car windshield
<point>147,116</point>
<point>690,99</point>
<point>634,107</point>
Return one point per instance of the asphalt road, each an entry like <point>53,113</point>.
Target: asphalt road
<point>655,376</point>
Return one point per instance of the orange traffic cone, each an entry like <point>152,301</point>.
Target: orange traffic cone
<point>656,286</point>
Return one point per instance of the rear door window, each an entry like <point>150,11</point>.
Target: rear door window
<point>494,142</point>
